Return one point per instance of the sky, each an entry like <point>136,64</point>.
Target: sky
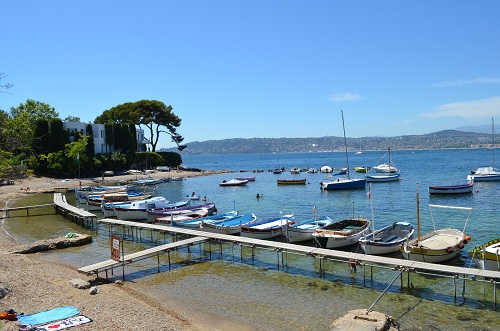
<point>260,68</point>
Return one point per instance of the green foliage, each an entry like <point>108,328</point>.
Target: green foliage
<point>35,110</point>
<point>108,128</point>
<point>71,119</point>
<point>41,138</point>
<point>171,159</point>
<point>17,133</point>
<point>152,114</point>
<point>58,137</point>
<point>148,160</point>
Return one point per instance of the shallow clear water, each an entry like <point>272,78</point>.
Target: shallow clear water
<point>272,292</point>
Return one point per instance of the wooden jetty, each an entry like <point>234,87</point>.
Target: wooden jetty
<point>129,258</point>
<point>6,211</point>
<point>342,256</point>
<point>80,216</point>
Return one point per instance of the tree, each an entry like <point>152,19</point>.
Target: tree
<point>71,119</point>
<point>152,114</point>
<point>36,110</point>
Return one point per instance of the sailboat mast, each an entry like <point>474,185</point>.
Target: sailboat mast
<point>493,146</point>
<point>418,216</point>
<point>345,144</point>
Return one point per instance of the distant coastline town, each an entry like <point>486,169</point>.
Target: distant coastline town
<point>438,140</point>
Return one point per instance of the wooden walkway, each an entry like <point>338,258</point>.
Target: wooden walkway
<point>6,211</point>
<point>129,258</point>
<point>314,251</point>
<point>82,216</point>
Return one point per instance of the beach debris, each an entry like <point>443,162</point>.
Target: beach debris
<point>79,283</point>
<point>93,290</point>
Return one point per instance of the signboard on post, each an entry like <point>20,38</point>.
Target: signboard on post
<point>115,247</point>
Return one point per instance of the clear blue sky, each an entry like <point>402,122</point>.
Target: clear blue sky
<point>244,69</point>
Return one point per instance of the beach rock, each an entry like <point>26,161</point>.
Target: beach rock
<point>3,292</point>
<point>80,283</point>
<point>362,320</point>
<point>57,243</point>
<point>93,290</point>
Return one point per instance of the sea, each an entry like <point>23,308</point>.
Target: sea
<point>264,290</point>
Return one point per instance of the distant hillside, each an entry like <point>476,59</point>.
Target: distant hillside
<point>486,128</point>
<point>437,140</point>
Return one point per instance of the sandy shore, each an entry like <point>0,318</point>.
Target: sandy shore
<point>36,283</point>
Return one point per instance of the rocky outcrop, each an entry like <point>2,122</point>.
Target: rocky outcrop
<point>364,320</point>
<point>57,243</point>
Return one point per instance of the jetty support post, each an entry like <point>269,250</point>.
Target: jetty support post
<point>494,293</point>
<point>455,287</point>
<point>169,261</point>
<point>463,288</point>
<point>158,259</point>
<point>210,249</point>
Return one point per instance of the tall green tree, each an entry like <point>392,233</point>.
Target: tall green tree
<point>41,139</point>
<point>154,115</point>
<point>36,110</point>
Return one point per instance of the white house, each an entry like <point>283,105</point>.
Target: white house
<point>99,133</point>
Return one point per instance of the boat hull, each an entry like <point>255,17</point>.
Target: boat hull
<point>435,247</point>
<point>343,233</point>
<point>383,178</point>
<point>388,239</point>
<point>490,260</point>
<point>343,184</point>
<point>266,229</point>
<point>452,189</point>
<point>291,181</point>
<point>303,231</point>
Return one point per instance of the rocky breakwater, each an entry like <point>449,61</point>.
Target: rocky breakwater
<point>70,240</point>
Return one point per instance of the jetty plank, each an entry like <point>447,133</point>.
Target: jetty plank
<point>129,258</point>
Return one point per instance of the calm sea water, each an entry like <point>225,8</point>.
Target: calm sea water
<point>266,292</point>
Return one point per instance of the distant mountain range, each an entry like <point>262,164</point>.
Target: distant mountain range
<point>478,129</point>
<point>466,137</point>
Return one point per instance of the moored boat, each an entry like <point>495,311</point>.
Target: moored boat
<point>291,181</point>
<point>345,182</point>
<point>390,177</point>
<point>233,182</point>
<point>387,239</point>
<point>487,255</point>
<point>452,189</point>
<point>231,225</point>
<point>166,216</point>
<point>268,228</point>
<point>249,178</point>
<point>303,230</point>
<point>342,233</point>
<point>438,245</point>
<point>138,210</point>
<point>198,223</point>
<point>361,169</point>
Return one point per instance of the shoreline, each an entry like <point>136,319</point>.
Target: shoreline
<point>36,282</point>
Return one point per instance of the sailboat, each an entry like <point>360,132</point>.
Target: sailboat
<point>391,173</point>
<point>387,239</point>
<point>487,174</point>
<point>438,245</point>
<point>346,182</point>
